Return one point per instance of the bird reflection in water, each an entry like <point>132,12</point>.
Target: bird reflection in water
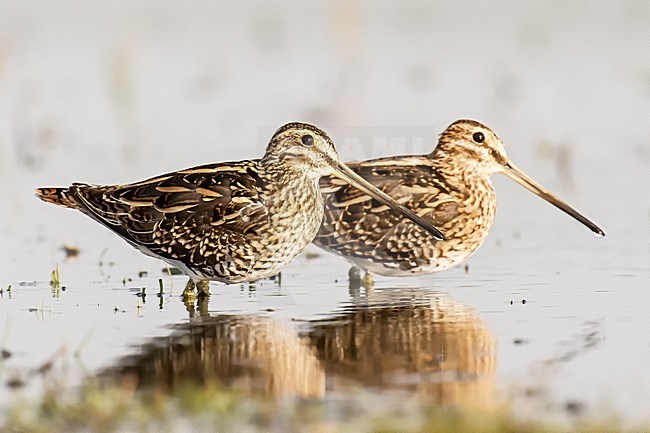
<point>252,354</point>
<point>414,340</point>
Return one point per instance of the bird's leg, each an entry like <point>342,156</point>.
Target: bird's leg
<point>203,288</point>
<point>354,274</point>
<point>201,296</point>
<point>202,305</point>
<point>190,307</point>
<point>354,288</point>
<point>368,281</point>
<point>188,292</point>
<point>189,297</point>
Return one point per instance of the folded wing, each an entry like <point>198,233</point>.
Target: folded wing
<point>197,211</point>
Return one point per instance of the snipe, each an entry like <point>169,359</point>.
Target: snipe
<point>231,222</point>
<point>450,187</point>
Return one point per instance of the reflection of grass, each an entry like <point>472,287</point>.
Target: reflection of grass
<point>2,291</point>
<point>55,279</point>
<point>212,408</point>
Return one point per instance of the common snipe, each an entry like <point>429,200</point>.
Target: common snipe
<point>231,222</point>
<point>450,187</point>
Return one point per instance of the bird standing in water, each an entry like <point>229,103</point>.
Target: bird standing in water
<point>450,187</point>
<point>232,222</point>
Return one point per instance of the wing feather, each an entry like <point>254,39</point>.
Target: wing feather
<point>180,214</point>
<point>356,225</point>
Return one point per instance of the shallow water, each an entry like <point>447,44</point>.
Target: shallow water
<point>552,322</point>
<point>546,317</point>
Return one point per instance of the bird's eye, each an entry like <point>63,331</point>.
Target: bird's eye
<point>307,140</point>
<point>477,137</point>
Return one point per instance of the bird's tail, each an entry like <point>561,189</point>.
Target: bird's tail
<point>57,196</point>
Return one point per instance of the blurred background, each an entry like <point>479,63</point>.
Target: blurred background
<point>142,87</point>
<point>117,92</point>
<point>112,92</point>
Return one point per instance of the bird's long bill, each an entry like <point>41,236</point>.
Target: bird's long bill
<point>522,179</point>
<point>346,174</point>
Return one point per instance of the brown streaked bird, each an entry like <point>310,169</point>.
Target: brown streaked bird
<point>231,222</point>
<point>450,187</point>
